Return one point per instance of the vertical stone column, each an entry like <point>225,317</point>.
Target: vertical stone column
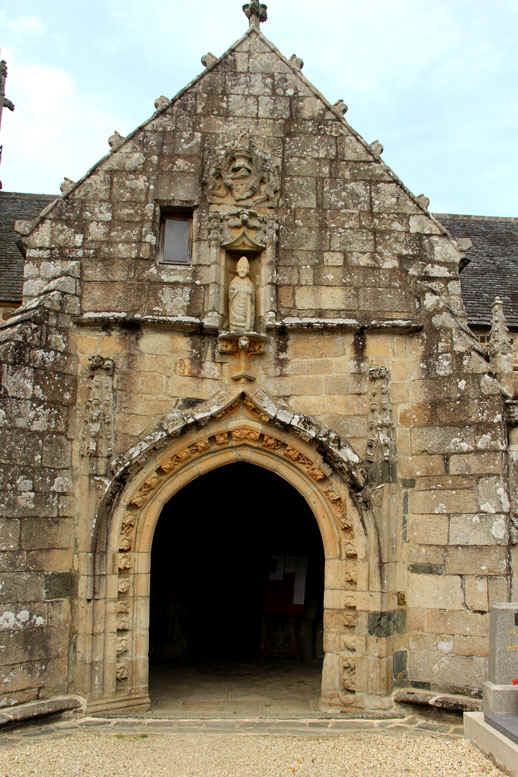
<point>511,415</point>
<point>500,348</point>
<point>269,279</point>
<point>215,304</point>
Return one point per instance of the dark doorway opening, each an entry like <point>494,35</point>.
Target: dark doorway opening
<point>237,575</point>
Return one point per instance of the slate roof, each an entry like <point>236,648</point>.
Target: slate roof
<point>493,267</point>
<point>13,206</point>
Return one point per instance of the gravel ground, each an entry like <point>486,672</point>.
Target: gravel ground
<point>354,754</point>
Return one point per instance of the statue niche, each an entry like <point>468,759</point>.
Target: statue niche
<point>241,299</point>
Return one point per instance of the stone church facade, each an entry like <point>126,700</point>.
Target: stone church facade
<point>242,280</point>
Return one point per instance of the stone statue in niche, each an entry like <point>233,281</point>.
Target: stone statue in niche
<point>241,299</point>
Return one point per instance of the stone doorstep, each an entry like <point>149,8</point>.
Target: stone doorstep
<point>331,725</point>
<point>502,750</point>
<point>444,701</point>
<point>38,709</point>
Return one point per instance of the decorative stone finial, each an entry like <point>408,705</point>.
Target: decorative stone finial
<point>464,244</point>
<point>423,200</point>
<point>115,140</point>
<point>208,59</point>
<point>376,147</point>
<point>4,101</point>
<point>296,62</point>
<point>500,348</point>
<point>255,13</point>
<point>341,107</point>
<point>499,338</point>
<point>67,184</point>
<point>160,102</point>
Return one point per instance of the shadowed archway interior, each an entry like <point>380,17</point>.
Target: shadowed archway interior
<point>237,574</point>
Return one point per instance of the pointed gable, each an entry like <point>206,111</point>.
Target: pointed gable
<point>351,238</point>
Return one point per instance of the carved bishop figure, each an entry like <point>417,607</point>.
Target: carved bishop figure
<point>241,299</point>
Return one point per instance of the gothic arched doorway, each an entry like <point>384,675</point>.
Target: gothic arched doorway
<point>236,598</point>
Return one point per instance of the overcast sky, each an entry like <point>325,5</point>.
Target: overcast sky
<point>434,80</point>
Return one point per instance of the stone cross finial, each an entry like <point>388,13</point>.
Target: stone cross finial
<point>255,13</point>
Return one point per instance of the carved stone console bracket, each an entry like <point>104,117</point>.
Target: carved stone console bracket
<point>244,345</point>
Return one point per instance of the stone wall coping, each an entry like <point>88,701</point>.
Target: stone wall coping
<point>37,709</point>
<point>183,323</point>
<point>444,701</point>
<point>191,323</point>
<point>407,325</point>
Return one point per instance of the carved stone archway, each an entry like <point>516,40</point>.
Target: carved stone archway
<point>242,428</point>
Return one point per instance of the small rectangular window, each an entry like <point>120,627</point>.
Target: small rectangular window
<point>176,238</point>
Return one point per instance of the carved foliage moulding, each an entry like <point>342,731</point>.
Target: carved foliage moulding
<point>380,450</point>
<point>170,463</point>
<point>97,426</point>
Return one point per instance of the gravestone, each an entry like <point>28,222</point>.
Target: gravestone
<point>500,695</point>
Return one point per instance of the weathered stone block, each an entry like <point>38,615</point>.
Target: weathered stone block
<point>442,669</point>
<point>476,463</point>
<point>435,439</point>
<point>478,530</point>
<point>429,529</point>
<point>390,300</point>
<point>12,561</point>
<point>350,149</point>
<point>443,501</point>
<point>59,585</point>
<point>16,587</point>
<point>493,496</point>
<point>9,534</point>
<point>300,192</point>
<point>339,194</point>
<point>325,297</point>
<point>435,591</point>
<point>46,533</point>
<point>476,561</point>
<point>390,197</point>
<point>476,592</point>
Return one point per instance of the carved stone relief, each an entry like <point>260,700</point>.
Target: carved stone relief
<point>243,175</point>
<point>97,427</point>
<point>380,452</point>
<point>239,435</point>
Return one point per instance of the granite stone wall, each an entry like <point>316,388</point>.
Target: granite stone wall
<point>37,579</point>
<point>360,327</point>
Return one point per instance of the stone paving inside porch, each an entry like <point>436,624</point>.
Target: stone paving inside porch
<point>272,689</point>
